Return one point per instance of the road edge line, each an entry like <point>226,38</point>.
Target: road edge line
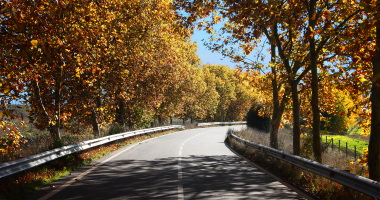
<point>68,183</point>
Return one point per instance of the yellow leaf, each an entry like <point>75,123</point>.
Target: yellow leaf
<point>362,79</point>
<point>34,42</point>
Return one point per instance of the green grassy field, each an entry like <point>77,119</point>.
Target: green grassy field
<point>354,130</point>
<point>351,143</point>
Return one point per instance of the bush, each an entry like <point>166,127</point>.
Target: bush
<point>340,118</point>
<point>57,144</point>
<point>256,121</point>
<point>115,129</point>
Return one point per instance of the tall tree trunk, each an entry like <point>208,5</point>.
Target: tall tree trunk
<point>296,119</point>
<point>53,129</point>
<point>292,72</point>
<point>57,100</point>
<point>276,119</point>
<point>159,120</point>
<point>95,123</point>
<point>374,141</point>
<point>314,87</point>
<point>120,110</point>
<point>130,122</point>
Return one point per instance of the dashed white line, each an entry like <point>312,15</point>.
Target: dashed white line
<point>47,196</point>
<point>181,195</point>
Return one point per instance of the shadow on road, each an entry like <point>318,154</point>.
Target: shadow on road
<point>204,177</point>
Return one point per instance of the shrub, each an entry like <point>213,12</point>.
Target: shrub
<point>254,120</point>
<point>115,129</point>
<point>57,144</point>
<point>341,118</point>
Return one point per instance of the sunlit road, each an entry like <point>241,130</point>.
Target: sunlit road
<point>190,164</point>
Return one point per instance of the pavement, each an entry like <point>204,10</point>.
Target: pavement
<point>189,164</point>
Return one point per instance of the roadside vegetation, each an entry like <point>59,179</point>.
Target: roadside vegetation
<point>359,142</point>
<point>316,185</point>
<point>69,75</point>
<point>324,69</point>
<point>75,70</point>
<point>19,185</point>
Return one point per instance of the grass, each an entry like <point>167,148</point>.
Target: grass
<point>19,185</point>
<point>355,130</point>
<point>361,146</point>
<point>316,185</point>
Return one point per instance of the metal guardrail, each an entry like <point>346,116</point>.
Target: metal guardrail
<point>19,165</point>
<point>359,183</point>
<point>220,123</point>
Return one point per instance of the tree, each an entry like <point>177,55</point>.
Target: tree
<point>77,63</point>
<point>340,117</point>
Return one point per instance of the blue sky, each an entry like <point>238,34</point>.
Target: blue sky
<point>207,56</point>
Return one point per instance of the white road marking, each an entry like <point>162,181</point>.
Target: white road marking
<point>47,196</point>
<point>180,186</point>
<point>181,195</point>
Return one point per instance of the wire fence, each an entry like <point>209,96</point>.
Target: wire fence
<point>344,147</point>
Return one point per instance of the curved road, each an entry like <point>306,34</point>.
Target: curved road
<point>189,164</point>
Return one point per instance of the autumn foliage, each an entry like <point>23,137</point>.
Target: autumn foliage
<point>77,65</point>
<point>315,46</point>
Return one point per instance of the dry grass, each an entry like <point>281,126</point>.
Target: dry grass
<point>330,157</point>
<point>285,138</point>
<point>360,137</point>
<point>18,185</point>
<point>191,125</point>
<point>316,185</point>
<point>41,141</point>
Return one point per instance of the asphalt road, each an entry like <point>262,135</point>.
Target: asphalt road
<point>190,164</point>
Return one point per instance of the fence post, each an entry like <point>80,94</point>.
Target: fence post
<point>346,149</point>
<point>326,138</point>
<point>355,152</point>
<point>339,145</point>
<point>332,144</point>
